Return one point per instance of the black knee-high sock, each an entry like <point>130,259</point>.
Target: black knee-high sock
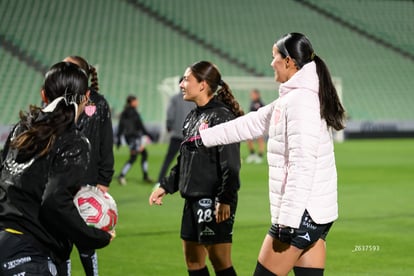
<point>308,271</point>
<point>199,272</point>
<point>144,163</point>
<point>262,271</point>
<point>226,272</point>
<point>89,261</point>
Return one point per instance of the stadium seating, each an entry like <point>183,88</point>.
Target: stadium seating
<point>20,85</point>
<point>386,20</point>
<point>135,48</point>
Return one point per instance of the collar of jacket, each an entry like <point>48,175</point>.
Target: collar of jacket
<point>305,78</point>
<point>213,103</point>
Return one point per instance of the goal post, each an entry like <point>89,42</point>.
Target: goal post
<point>167,88</point>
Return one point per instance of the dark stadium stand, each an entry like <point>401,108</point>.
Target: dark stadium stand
<point>385,22</point>
<point>135,44</point>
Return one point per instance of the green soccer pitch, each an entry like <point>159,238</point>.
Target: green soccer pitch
<point>372,236</point>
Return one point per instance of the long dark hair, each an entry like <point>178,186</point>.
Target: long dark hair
<point>207,71</point>
<point>39,129</point>
<point>298,47</point>
<point>89,69</point>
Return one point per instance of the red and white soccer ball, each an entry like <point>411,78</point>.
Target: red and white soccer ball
<point>97,208</point>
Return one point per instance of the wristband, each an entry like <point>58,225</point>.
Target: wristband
<point>156,186</point>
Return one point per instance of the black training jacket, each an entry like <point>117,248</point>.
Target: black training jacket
<point>131,125</point>
<point>36,196</point>
<point>95,123</point>
<point>201,171</point>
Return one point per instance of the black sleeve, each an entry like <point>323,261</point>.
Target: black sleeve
<point>106,164</point>
<point>141,126</point>
<point>228,159</point>
<point>58,210</point>
<point>170,182</point>
<point>229,162</point>
<point>5,149</point>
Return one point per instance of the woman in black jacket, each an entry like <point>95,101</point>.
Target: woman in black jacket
<point>44,160</point>
<point>133,129</point>
<point>95,123</point>
<point>208,178</point>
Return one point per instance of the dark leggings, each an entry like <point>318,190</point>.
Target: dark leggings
<point>132,158</point>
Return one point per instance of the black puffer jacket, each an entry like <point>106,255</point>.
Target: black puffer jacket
<point>201,171</point>
<point>36,196</point>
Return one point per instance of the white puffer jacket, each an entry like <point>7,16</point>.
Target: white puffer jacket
<point>300,153</point>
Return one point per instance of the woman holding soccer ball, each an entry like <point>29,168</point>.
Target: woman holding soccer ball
<point>302,171</point>
<point>208,178</point>
<point>43,162</point>
<point>95,123</point>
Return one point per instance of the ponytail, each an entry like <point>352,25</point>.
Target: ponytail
<point>94,78</point>
<point>331,108</point>
<point>225,95</point>
<point>299,48</point>
<point>88,68</point>
<point>207,71</point>
<point>40,129</point>
<point>65,87</point>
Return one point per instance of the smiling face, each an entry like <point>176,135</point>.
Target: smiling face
<point>193,90</point>
<point>278,65</point>
<point>284,68</point>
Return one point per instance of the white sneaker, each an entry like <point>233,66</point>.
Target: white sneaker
<point>122,181</point>
<point>258,159</point>
<point>251,158</point>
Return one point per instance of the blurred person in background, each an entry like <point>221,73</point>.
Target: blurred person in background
<point>95,123</point>
<point>44,161</point>
<point>177,111</point>
<point>133,129</point>
<point>208,179</point>
<point>300,153</point>
<point>255,103</point>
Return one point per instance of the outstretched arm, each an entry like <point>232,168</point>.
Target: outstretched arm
<point>250,126</point>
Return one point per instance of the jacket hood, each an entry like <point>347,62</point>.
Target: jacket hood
<point>213,103</point>
<point>305,78</point>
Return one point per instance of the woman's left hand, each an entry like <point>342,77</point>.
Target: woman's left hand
<point>157,195</point>
<point>222,212</point>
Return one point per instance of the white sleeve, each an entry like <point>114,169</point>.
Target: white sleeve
<point>250,126</point>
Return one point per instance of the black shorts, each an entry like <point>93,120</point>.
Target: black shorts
<point>199,222</point>
<point>135,143</point>
<point>308,233</point>
<point>19,257</point>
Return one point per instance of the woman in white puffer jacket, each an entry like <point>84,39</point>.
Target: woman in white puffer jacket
<point>302,171</point>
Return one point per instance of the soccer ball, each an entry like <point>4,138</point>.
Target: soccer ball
<point>97,208</point>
